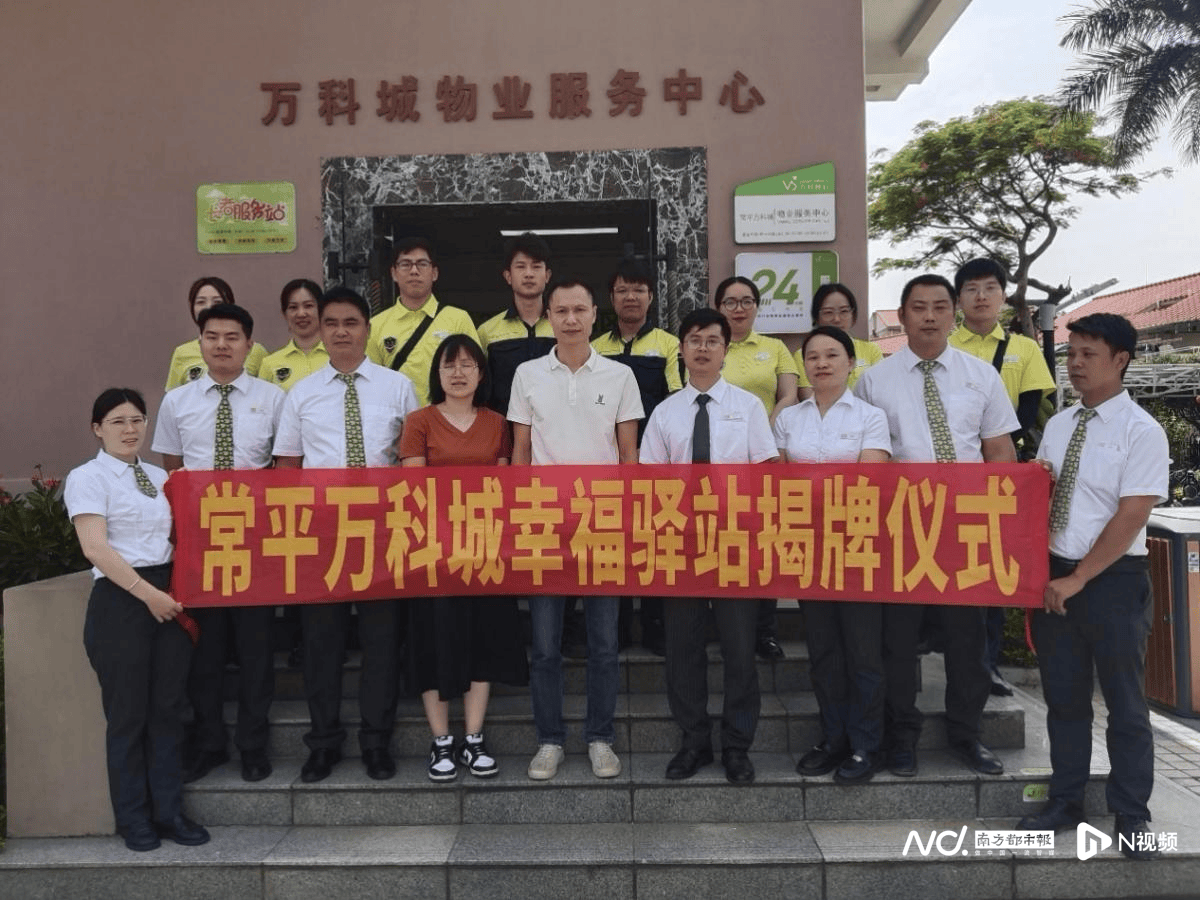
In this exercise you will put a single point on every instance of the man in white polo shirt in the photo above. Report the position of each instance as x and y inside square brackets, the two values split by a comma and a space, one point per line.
[710, 421]
[225, 419]
[573, 407]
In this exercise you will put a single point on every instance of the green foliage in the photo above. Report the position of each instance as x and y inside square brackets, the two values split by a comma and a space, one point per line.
[1141, 57]
[999, 184]
[1014, 651]
[37, 539]
[1180, 432]
[3, 752]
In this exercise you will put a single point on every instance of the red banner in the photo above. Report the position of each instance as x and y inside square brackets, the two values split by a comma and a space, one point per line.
[925, 533]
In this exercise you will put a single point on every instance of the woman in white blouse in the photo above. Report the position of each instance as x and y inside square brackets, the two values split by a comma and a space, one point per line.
[844, 637]
[140, 655]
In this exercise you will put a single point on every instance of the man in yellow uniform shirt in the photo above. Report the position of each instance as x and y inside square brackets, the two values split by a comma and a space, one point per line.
[304, 353]
[405, 337]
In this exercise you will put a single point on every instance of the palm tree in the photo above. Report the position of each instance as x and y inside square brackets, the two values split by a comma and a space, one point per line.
[1143, 56]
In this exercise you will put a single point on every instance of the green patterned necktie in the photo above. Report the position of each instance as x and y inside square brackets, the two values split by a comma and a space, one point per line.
[143, 480]
[1064, 488]
[939, 428]
[356, 457]
[223, 440]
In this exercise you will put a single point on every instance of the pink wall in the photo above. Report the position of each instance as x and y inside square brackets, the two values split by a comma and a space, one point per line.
[115, 112]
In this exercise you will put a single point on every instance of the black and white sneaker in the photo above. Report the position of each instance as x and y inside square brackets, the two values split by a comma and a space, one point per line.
[441, 759]
[473, 753]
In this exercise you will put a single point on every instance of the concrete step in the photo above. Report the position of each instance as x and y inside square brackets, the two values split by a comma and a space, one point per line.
[861, 860]
[788, 723]
[943, 788]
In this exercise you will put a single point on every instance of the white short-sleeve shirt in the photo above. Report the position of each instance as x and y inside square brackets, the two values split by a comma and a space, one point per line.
[313, 422]
[973, 396]
[848, 427]
[139, 527]
[573, 416]
[187, 421]
[1125, 454]
[738, 430]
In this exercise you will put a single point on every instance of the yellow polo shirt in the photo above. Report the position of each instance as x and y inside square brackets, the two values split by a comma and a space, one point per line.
[391, 329]
[755, 365]
[289, 364]
[1024, 368]
[866, 354]
[187, 363]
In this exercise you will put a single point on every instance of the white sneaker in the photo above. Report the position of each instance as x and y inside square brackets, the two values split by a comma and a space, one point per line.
[605, 763]
[544, 765]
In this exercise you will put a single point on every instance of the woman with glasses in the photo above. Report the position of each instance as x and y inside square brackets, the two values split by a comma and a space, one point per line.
[140, 655]
[763, 366]
[457, 646]
[186, 362]
[845, 642]
[834, 304]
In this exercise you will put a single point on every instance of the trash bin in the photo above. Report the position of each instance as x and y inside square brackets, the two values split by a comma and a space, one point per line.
[1173, 653]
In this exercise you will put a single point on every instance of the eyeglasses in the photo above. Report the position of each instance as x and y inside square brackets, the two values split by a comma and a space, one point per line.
[407, 265]
[834, 312]
[732, 303]
[135, 421]
[992, 288]
[466, 367]
[710, 343]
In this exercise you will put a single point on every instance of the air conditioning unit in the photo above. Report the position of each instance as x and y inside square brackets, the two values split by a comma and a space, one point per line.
[1173, 653]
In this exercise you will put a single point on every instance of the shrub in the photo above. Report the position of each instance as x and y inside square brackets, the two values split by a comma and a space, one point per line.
[37, 539]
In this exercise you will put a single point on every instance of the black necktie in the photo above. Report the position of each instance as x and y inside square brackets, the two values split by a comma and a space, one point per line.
[701, 450]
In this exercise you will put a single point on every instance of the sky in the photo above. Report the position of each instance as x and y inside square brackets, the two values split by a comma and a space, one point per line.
[1004, 49]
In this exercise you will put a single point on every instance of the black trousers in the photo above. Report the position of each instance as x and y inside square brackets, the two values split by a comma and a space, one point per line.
[142, 666]
[1107, 625]
[252, 635]
[846, 661]
[684, 621]
[324, 626]
[968, 682]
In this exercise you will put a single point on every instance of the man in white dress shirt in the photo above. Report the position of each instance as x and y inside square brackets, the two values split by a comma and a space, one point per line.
[942, 405]
[573, 406]
[710, 421]
[348, 414]
[1110, 459]
[225, 419]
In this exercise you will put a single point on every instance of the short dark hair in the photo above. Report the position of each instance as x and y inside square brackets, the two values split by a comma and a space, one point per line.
[408, 244]
[294, 285]
[220, 284]
[835, 287]
[342, 294]
[228, 312]
[732, 280]
[632, 271]
[980, 267]
[928, 280]
[564, 283]
[449, 349]
[831, 331]
[701, 318]
[1116, 331]
[532, 245]
[112, 398]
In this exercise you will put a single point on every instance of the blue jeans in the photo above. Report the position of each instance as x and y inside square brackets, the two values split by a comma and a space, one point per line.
[546, 675]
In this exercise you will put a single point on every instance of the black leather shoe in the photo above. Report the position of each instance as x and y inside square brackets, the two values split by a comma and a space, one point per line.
[1135, 838]
[767, 647]
[255, 765]
[738, 768]
[183, 830]
[822, 759]
[141, 836]
[654, 641]
[1057, 815]
[205, 762]
[379, 763]
[858, 769]
[1000, 687]
[319, 764]
[902, 761]
[688, 762]
[978, 757]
